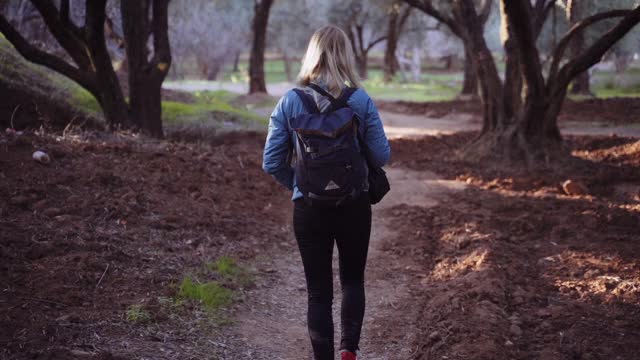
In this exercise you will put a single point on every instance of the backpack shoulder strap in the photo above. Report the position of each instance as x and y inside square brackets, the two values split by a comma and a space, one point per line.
[322, 92]
[308, 102]
[340, 102]
[344, 97]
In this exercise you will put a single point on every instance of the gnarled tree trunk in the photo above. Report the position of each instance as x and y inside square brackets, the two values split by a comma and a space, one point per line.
[87, 49]
[530, 132]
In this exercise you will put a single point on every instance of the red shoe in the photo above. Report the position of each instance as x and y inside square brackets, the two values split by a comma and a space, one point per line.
[348, 355]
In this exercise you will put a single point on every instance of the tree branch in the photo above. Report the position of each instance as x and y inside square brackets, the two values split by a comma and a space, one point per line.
[375, 42]
[65, 34]
[404, 17]
[485, 11]
[161, 48]
[541, 13]
[64, 11]
[594, 53]
[429, 9]
[37, 56]
[560, 49]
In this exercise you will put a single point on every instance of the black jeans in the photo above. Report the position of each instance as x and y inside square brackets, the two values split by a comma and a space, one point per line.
[316, 229]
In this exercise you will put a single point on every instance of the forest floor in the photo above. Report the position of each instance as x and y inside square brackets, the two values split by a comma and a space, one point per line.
[100, 247]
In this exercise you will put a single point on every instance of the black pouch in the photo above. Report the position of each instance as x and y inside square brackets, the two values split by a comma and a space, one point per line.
[378, 184]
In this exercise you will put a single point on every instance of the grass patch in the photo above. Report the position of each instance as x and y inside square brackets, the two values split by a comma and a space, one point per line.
[273, 71]
[211, 295]
[223, 275]
[438, 87]
[136, 314]
[210, 106]
[229, 270]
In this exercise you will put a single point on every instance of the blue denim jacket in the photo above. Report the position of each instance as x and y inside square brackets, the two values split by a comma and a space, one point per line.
[280, 137]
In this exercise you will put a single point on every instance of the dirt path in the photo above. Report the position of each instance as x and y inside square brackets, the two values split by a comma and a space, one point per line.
[404, 125]
[272, 323]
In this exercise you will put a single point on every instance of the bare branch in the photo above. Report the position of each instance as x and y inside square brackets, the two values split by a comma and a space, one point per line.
[427, 7]
[541, 13]
[64, 11]
[560, 49]
[594, 53]
[404, 17]
[37, 56]
[485, 11]
[65, 34]
[375, 42]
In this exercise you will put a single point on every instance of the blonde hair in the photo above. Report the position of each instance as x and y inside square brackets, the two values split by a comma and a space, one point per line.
[329, 58]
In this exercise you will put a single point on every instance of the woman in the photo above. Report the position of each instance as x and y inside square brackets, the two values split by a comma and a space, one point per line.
[329, 63]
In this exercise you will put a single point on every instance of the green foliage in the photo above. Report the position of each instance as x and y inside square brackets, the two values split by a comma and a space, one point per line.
[137, 314]
[229, 270]
[435, 87]
[225, 266]
[273, 71]
[211, 294]
[215, 294]
[210, 106]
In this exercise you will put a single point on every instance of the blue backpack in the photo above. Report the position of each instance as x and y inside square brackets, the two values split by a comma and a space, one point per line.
[330, 167]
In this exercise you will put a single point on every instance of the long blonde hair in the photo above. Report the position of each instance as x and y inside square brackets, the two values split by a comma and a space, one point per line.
[329, 58]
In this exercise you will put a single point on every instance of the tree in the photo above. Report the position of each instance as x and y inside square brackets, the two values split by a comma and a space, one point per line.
[86, 46]
[256, 59]
[520, 114]
[209, 33]
[142, 19]
[365, 26]
[574, 12]
[443, 12]
[398, 16]
[289, 32]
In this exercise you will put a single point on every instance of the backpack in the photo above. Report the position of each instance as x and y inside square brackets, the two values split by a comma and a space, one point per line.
[330, 167]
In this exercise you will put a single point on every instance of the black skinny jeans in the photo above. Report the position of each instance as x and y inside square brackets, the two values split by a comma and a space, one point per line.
[315, 230]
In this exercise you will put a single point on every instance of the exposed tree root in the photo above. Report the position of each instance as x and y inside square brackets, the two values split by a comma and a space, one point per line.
[510, 146]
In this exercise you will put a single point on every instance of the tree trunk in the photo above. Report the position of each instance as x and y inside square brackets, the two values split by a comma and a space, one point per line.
[362, 63]
[483, 64]
[236, 62]
[213, 71]
[416, 64]
[580, 85]
[573, 13]
[146, 75]
[288, 69]
[513, 76]
[108, 91]
[256, 61]
[390, 60]
[470, 82]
